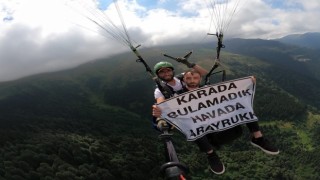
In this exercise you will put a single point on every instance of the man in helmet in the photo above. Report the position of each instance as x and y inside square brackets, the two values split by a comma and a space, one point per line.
[165, 72]
[191, 81]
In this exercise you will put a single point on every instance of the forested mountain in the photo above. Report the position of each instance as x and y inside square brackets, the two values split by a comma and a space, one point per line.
[310, 40]
[303, 61]
[93, 121]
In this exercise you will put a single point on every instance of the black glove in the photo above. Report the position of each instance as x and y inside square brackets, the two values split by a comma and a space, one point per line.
[185, 61]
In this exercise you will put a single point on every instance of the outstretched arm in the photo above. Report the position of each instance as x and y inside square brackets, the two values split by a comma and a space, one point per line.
[203, 72]
[200, 69]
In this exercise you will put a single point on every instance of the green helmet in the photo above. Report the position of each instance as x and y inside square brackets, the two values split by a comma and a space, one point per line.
[162, 64]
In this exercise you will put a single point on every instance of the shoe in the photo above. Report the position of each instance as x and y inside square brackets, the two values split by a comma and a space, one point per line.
[264, 145]
[216, 166]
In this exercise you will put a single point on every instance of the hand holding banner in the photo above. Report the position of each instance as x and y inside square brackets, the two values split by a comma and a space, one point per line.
[212, 108]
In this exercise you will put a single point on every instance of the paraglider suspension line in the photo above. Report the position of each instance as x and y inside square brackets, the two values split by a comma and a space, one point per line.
[217, 60]
[220, 45]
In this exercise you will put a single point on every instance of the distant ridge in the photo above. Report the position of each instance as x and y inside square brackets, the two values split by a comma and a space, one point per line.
[309, 40]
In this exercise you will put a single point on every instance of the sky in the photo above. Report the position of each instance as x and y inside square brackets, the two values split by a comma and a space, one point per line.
[38, 36]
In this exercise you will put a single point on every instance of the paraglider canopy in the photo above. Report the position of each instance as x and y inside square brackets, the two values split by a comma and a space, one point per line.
[222, 13]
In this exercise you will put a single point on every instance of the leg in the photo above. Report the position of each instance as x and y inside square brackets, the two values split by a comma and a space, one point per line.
[259, 141]
[216, 166]
[254, 129]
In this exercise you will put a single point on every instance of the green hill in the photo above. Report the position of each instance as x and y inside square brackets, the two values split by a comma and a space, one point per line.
[310, 40]
[93, 121]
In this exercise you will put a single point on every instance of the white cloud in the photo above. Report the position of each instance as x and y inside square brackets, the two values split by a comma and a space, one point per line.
[45, 35]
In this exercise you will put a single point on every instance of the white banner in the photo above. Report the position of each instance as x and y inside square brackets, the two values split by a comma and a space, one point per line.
[211, 108]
